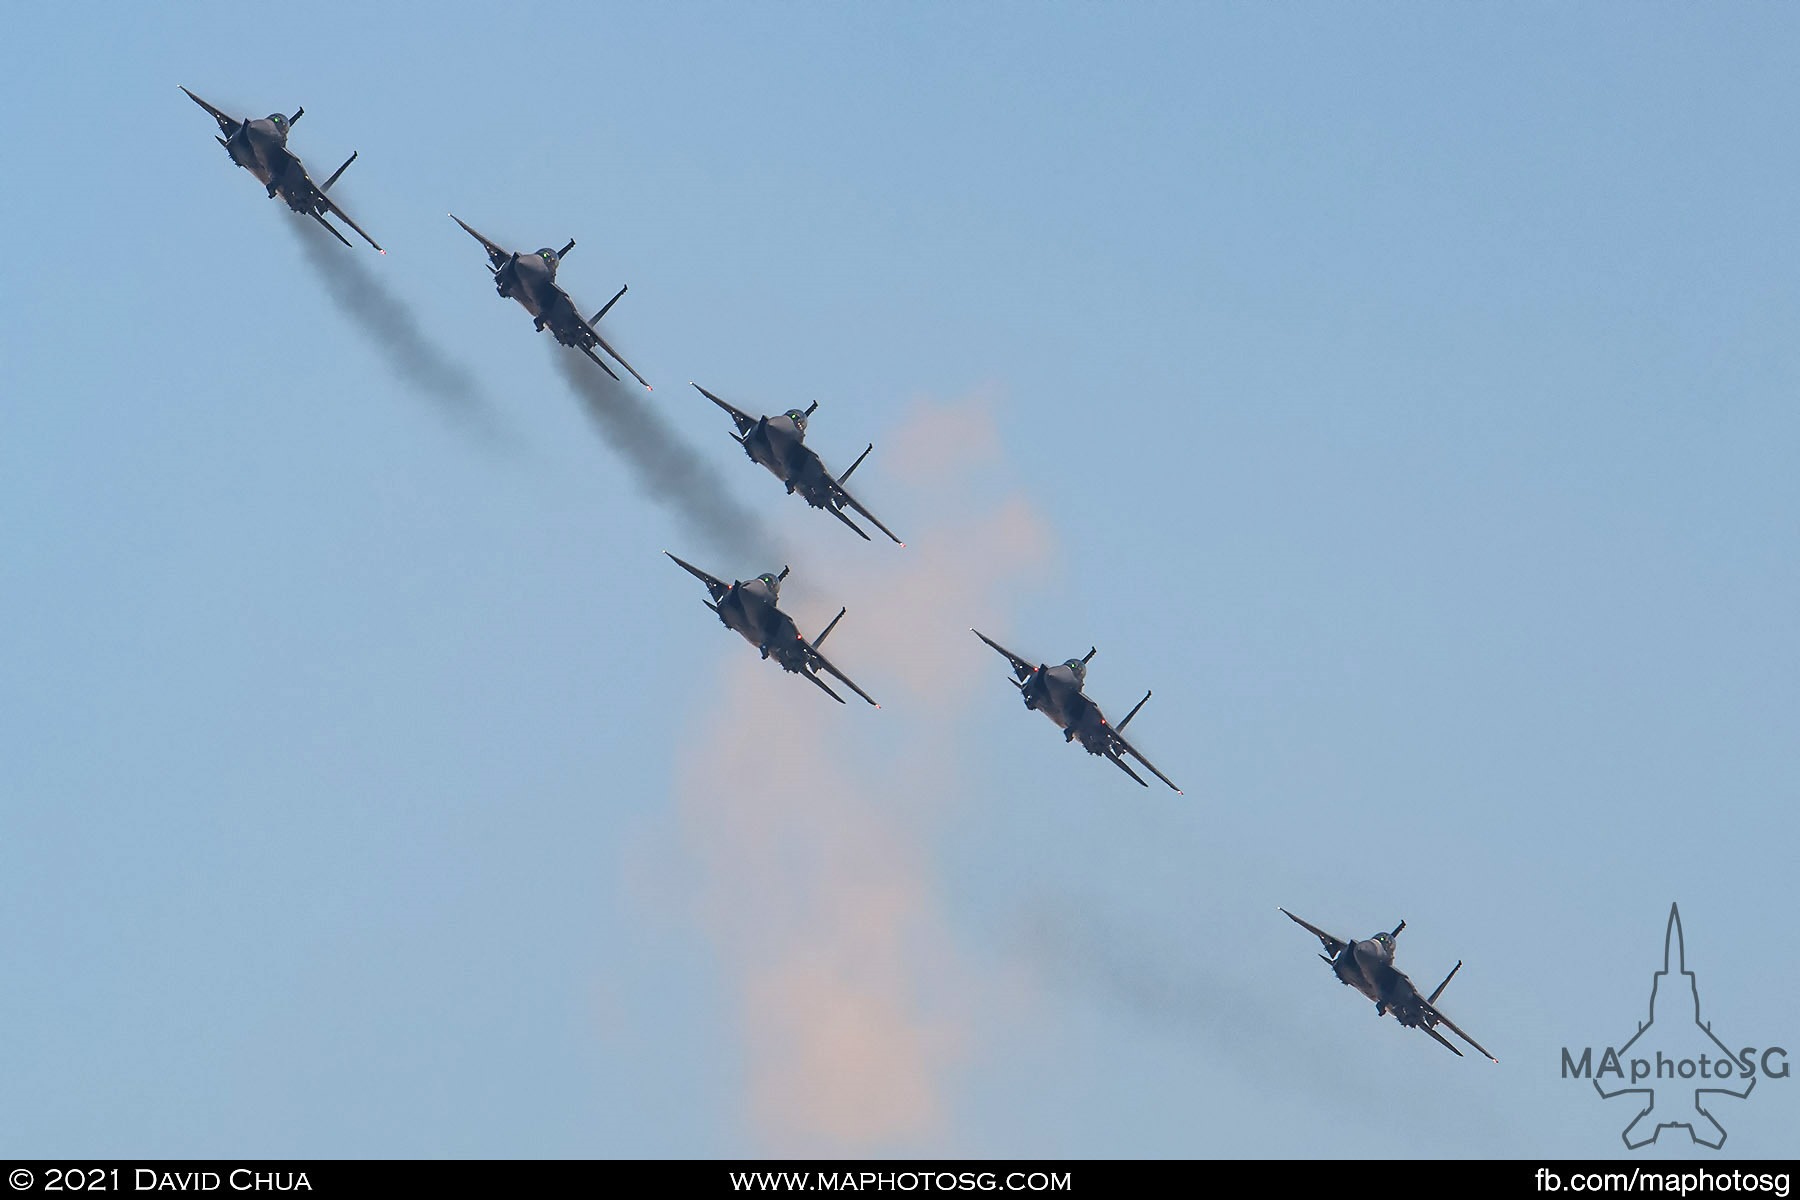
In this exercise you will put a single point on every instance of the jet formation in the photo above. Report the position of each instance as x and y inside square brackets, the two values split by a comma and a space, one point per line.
[1057, 693]
[1368, 966]
[260, 147]
[779, 443]
[751, 608]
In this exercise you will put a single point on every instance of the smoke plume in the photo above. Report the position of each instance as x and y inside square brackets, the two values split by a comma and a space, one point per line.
[387, 320]
[667, 470]
[811, 832]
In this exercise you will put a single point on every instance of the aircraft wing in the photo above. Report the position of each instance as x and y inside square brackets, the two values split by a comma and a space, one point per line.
[717, 587]
[843, 497]
[497, 255]
[1333, 945]
[1435, 1016]
[229, 125]
[743, 420]
[589, 332]
[816, 659]
[1022, 669]
[340, 214]
[1122, 747]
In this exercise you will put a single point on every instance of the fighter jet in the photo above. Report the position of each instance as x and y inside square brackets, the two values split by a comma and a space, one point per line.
[779, 443]
[531, 280]
[1056, 692]
[749, 607]
[1368, 966]
[260, 147]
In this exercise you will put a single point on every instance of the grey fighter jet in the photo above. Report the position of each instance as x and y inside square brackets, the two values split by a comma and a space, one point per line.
[1056, 692]
[779, 443]
[260, 147]
[531, 280]
[750, 608]
[1368, 966]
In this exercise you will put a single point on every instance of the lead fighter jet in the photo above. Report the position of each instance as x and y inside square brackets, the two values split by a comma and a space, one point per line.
[779, 443]
[260, 147]
[531, 280]
[1056, 692]
[1368, 966]
[750, 608]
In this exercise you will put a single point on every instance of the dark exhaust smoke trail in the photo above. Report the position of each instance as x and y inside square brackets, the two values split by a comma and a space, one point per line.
[668, 470]
[388, 322]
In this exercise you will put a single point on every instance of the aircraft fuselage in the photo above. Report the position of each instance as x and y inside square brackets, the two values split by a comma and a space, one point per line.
[779, 444]
[1056, 692]
[750, 610]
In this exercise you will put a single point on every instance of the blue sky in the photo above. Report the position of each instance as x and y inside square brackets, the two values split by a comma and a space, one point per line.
[1405, 394]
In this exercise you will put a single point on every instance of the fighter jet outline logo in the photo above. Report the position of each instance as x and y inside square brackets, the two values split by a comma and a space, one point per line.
[1702, 1126]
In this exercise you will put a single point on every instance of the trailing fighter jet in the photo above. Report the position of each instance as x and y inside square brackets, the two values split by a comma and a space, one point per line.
[1056, 692]
[531, 280]
[779, 443]
[1368, 966]
[749, 607]
[260, 147]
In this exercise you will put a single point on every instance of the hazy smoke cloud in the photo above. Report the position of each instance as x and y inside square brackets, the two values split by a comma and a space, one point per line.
[811, 826]
[387, 320]
[668, 471]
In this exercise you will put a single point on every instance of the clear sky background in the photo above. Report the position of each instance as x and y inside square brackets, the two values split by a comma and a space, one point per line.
[1406, 393]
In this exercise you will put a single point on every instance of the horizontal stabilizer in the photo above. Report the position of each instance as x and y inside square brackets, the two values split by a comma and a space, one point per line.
[331, 229]
[1441, 1040]
[823, 686]
[854, 527]
[589, 351]
[1120, 763]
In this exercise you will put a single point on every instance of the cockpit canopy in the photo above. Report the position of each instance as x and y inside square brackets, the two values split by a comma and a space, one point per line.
[280, 123]
[550, 258]
[774, 583]
[797, 417]
[1077, 666]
